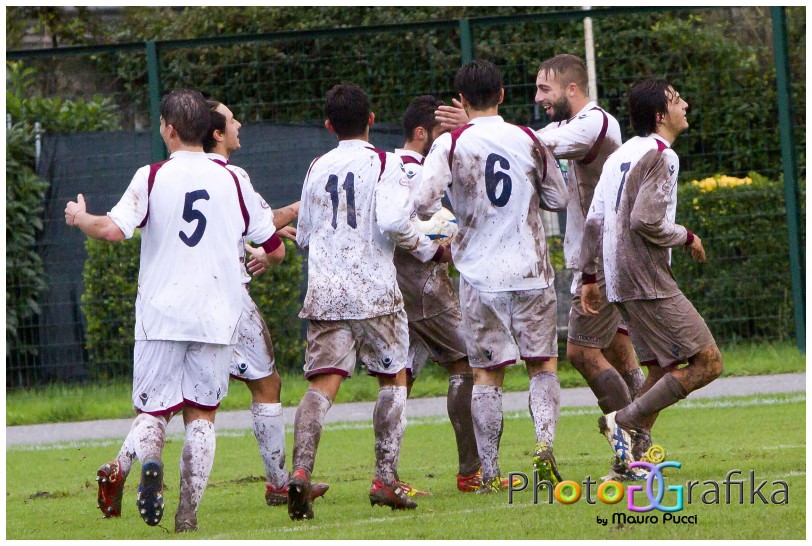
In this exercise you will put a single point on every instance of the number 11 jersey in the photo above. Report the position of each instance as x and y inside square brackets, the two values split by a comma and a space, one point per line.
[355, 207]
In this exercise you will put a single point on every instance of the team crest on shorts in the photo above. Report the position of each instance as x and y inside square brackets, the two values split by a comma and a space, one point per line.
[386, 361]
[143, 397]
[242, 367]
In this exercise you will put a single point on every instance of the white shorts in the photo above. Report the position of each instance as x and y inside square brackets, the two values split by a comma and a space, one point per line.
[253, 355]
[500, 327]
[381, 343]
[170, 374]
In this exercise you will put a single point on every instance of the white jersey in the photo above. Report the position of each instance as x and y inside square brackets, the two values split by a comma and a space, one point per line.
[262, 210]
[354, 210]
[192, 215]
[586, 140]
[633, 212]
[496, 185]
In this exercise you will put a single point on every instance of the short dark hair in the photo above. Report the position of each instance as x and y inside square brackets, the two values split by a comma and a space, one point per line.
[347, 108]
[648, 98]
[569, 69]
[217, 122]
[186, 110]
[420, 113]
[480, 83]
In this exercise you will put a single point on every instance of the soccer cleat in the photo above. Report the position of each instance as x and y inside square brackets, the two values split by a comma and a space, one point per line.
[491, 485]
[412, 491]
[111, 489]
[150, 500]
[300, 505]
[472, 483]
[185, 523]
[392, 496]
[619, 439]
[544, 463]
[622, 473]
[277, 496]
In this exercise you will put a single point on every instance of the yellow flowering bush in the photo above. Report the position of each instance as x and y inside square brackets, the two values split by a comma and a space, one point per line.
[720, 181]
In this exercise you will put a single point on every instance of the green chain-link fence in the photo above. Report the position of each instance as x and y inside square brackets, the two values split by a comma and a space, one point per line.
[727, 62]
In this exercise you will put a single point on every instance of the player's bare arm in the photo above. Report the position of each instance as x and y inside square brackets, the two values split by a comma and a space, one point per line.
[95, 227]
[285, 215]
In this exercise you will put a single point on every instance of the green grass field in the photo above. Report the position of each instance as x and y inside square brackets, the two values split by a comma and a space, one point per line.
[51, 492]
[112, 401]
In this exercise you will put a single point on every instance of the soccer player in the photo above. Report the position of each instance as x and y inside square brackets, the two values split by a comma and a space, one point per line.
[253, 359]
[188, 306]
[585, 135]
[632, 217]
[498, 176]
[354, 210]
[433, 308]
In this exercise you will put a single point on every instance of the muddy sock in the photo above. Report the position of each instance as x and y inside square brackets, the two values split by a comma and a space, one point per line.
[545, 405]
[458, 404]
[611, 390]
[387, 422]
[486, 411]
[144, 441]
[634, 380]
[307, 429]
[269, 430]
[665, 392]
[196, 461]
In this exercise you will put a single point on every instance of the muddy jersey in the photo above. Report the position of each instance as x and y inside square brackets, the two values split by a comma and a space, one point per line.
[426, 287]
[497, 177]
[192, 214]
[262, 210]
[354, 210]
[633, 212]
[586, 141]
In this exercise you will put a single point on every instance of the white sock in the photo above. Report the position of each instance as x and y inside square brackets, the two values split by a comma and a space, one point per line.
[545, 405]
[195, 465]
[486, 412]
[145, 440]
[269, 429]
[387, 421]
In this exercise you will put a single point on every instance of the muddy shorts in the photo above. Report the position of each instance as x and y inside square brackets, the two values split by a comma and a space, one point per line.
[253, 355]
[439, 337]
[666, 331]
[170, 374]
[381, 343]
[595, 331]
[501, 327]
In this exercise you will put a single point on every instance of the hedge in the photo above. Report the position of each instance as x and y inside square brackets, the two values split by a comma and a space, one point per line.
[108, 303]
[744, 289]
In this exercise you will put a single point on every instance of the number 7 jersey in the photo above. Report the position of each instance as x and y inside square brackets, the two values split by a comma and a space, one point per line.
[355, 207]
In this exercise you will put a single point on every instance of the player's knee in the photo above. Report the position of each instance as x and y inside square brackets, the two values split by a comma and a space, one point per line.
[715, 365]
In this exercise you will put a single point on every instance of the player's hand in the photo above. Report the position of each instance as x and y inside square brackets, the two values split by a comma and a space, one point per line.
[287, 232]
[258, 263]
[591, 298]
[451, 117]
[73, 208]
[697, 250]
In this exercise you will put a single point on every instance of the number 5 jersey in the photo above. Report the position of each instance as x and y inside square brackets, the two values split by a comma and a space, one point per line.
[192, 214]
[355, 209]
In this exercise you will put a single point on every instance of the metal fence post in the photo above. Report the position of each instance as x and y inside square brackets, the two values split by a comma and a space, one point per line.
[154, 85]
[789, 161]
[466, 45]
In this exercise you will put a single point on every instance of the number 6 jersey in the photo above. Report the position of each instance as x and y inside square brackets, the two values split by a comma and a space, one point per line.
[498, 176]
[355, 208]
[192, 215]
